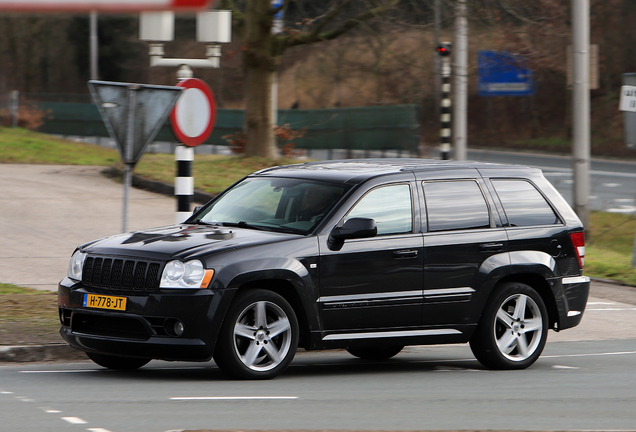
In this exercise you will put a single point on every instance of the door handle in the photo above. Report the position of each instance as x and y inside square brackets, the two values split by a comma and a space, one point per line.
[406, 253]
[491, 247]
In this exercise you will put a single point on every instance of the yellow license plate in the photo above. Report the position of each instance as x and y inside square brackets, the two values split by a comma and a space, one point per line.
[104, 302]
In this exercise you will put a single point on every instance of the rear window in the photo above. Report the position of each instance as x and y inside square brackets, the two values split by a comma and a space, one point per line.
[523, 203]
[455, 205]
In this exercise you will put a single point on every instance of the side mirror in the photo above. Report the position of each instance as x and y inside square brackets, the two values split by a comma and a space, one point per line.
[354, 228]
[196, 209]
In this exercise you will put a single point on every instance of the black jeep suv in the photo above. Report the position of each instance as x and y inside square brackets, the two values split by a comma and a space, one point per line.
[367, 255]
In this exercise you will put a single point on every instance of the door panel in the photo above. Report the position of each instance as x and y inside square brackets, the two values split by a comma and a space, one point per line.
[372, 283]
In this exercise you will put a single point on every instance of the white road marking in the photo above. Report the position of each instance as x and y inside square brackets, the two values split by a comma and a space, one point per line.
[234, 398]
[564, 367]
[60, 371]
[610, 309]
[6, 392]
[74, 420]
[600, 303]
[612, 185]
[590, 354]
[97, 430]
[51, 411]
[622, 209]
[455, 369]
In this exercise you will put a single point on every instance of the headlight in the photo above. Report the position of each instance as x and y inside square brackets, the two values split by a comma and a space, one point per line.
[191, 274]
[75, 266]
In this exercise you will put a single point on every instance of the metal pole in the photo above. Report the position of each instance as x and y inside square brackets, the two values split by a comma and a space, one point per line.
[128, 151]
[183, 182]
[15, 107]
[445, 115]
[460, 105]
[93, 46]
[438, 63]
[581, 107]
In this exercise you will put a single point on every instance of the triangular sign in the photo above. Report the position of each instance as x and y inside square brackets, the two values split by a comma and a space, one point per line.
[133, 113]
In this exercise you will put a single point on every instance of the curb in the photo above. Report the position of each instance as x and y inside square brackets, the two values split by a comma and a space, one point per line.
[162, 188]
[36, 353]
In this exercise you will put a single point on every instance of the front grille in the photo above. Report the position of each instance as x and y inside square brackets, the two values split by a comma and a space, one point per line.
[121, 274]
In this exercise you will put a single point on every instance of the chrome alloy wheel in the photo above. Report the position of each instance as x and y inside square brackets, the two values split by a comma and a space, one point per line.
[262, 336]
[518, 327]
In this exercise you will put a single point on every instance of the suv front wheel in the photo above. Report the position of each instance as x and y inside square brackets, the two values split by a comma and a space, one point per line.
[259, 336]
[513, 329]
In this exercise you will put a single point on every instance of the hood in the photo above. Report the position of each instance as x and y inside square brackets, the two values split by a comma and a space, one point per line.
[181, 241]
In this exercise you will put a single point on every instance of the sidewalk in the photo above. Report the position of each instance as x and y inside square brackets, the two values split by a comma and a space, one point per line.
[46, 211]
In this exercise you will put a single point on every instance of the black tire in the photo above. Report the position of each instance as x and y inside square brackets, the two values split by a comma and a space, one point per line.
[375, 353]
[513, 328]
[259, 336]
[117, 362]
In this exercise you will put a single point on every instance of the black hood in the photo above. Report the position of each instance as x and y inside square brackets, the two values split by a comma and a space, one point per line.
[181, 241]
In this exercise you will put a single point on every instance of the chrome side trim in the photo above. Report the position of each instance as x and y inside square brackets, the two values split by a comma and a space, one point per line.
[392, 334]
[448, 291]
[575, 280]
[359, 297]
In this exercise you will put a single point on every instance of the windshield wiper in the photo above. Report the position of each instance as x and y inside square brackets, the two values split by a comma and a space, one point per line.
[202, 222]
[243, 224]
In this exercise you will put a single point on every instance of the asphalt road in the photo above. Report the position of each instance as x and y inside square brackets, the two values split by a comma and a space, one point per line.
[613, 183]
[574, 386]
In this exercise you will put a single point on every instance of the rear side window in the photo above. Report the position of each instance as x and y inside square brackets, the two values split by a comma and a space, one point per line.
[523, 203]
[455, 205]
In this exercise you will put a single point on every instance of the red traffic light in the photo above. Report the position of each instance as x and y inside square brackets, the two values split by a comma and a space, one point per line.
[443, 49]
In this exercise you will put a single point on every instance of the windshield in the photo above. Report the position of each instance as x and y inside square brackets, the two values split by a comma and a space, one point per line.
[276, 204]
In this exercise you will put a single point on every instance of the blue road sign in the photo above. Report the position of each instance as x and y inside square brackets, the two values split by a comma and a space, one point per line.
[503, 74]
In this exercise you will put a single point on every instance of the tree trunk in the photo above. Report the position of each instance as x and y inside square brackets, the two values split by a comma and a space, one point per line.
[259, 128]
[259, 66]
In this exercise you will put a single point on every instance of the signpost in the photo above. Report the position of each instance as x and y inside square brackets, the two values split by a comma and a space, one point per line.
[192, 120]
[627, 104]
[133, 115]
[628, 98]
[503, 74]
[100, 5]
[194, 115]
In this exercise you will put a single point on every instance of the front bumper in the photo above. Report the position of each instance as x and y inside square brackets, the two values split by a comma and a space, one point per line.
[146, 328]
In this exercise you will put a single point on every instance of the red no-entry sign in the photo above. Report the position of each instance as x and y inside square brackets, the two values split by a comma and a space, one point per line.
[100, 5]
[194, 115]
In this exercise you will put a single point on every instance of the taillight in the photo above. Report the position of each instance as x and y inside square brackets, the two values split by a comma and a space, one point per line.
[578, 241]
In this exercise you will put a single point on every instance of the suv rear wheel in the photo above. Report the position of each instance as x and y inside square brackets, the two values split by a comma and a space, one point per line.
[259, 336]
[513, 329]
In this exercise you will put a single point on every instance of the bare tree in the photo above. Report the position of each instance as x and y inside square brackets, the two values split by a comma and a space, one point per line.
[262, 52]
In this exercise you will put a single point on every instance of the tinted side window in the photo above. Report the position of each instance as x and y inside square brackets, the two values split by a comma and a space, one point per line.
[389, 206]
[454, 205]
[523, 203]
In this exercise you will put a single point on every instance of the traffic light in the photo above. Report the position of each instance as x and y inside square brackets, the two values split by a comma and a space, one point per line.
[444, 49]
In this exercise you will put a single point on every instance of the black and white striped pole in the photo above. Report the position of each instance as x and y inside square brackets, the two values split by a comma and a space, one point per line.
[444, 49]
[183, 182]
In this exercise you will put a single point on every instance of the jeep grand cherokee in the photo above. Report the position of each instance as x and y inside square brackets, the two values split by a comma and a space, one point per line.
[367, 255]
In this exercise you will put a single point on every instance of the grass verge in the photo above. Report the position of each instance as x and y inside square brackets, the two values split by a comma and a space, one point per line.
[26, 147]
[609, 248]
[28, 317]
[212, 173]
